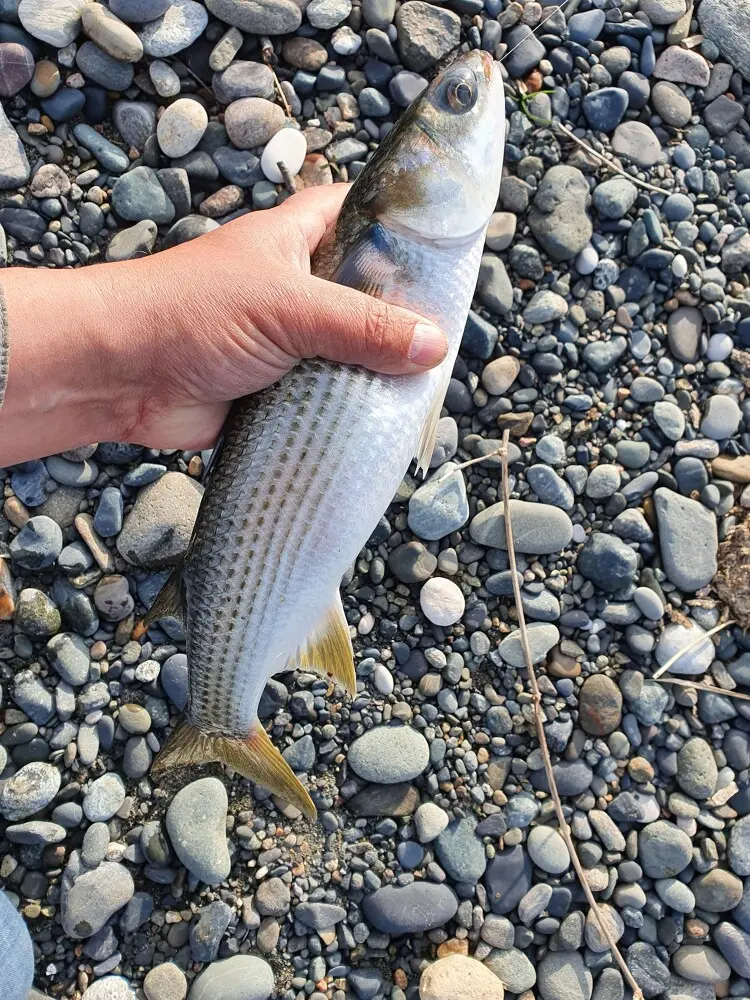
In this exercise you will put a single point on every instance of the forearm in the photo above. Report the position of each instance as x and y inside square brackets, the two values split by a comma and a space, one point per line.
[76, 363]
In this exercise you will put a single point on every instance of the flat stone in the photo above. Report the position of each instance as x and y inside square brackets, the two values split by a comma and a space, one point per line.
[56, 22]
[717, 891]
[682, 66]
[688, 540]
[139, 11]
[426, 34]
[542, 638]
[29, 790]
[461, 852]
[734, 944]
[508, 879]
[102, 68]
[410, 909]
[243, 78]
[258, 17]
[137, 195]
[663, 11]
[196, 823]
[181, 127]
[600, 705]
[537, 528]
[458, 977]
[607, 561]
[440, 506]
[558, 217]
[241, 977]
[547, 850]
[157, 531]
[638, 143]
[700, 964]
[111, 34]
[94, 897]
[664, 849]
[388, 755]
[725, 25]
[252, 121]
[563, 974]
[175, 30]
[676, 637]
[651, 974]
[14, 165]
[16, 68]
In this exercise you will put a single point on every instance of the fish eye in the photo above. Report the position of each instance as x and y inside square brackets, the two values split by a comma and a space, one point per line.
[461, 93]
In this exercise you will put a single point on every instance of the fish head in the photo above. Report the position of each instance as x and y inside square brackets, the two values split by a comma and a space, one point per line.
[436, 175]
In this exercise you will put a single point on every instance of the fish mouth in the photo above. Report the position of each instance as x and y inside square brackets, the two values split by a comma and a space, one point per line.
[488, 65]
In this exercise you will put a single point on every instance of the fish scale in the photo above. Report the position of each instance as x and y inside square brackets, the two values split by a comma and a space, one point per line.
[307, 466]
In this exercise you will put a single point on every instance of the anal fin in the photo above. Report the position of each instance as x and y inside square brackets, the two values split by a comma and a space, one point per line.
[254, 757]
[429, 429]
[168, 603]
[328, 651]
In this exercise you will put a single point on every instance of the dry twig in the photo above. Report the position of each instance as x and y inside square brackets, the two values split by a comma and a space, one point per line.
[539, 723]
[702, 687]
[288, 179]
[610, 163]
[691, 646]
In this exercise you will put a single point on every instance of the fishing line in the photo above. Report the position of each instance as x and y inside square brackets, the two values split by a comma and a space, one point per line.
[534, 30]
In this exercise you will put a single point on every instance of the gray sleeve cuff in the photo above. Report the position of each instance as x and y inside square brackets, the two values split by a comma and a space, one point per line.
[4, 349]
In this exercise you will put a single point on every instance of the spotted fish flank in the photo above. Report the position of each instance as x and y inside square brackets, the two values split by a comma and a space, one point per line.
[307, 467]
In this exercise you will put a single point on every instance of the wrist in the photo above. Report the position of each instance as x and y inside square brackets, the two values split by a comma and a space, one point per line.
[75, 360]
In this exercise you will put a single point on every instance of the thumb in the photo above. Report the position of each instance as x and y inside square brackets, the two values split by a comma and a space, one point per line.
[322, 319]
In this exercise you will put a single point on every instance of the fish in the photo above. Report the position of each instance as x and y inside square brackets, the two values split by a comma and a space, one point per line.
[307, 467]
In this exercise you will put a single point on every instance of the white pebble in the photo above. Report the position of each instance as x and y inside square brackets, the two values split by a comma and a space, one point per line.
[289, 147]
[442, 601]
[345, 42]
[720, 346]
[679, 266]
[382, 678]
[587, 260]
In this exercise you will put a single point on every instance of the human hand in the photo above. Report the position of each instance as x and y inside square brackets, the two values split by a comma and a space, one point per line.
[154, 350]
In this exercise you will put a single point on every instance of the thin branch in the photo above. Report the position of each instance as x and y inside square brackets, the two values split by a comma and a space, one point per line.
[690, 647]
[702, 687]
[269, 58]
[610, 163]
[288, 179]
[539, 723]
[472, 461]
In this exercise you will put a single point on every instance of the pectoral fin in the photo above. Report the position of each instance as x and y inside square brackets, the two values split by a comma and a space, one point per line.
[168, 603]
[255, 758]
[369, 265]
[429, 430]
[328, 651]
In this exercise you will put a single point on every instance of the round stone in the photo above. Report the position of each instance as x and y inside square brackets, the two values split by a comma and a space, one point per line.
[46, 78]
[430, 821]
[181, 127]
[134, 719]
[700, 964]
[595, 939]
[664, 850]
[16, 68]
[289, 147]
[328, 13]
[70, 657]
[697, 772]
[110, 988]
[442, 601]
[698, 655]
[600, 705]
[458, 977]
[388, 755]
[165, 982]
[410, 909]
[547, 850]
[721, 419]
[252, 121]
[564, 974]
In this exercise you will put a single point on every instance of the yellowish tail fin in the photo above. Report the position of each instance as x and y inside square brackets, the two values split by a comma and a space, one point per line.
[254, 757]
[328, 651]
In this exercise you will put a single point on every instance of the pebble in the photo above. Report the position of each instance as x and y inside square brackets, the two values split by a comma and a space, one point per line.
[110, 33]
[252, 121]
[558, 217]
[461, 852]
[688, 540]
[94, 897]
[410, 909]
[287, 146]
[181, 127]
[70, 657]
[676, 637]
[157, 531]
[104, 797]
[240, 977]
[700, 964]
[458, 977]
[664, 849]
[564, 974]
[508, 879]
[165, 982]
[425, 34]
[56, 22]
[442, 601]
[180, 25]
[697, 772]
[196, 823]
[38, 544]
[600, 705]
[28, 791]
[389, 754]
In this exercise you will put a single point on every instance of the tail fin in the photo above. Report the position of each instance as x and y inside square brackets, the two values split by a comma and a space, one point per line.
[254, 757]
